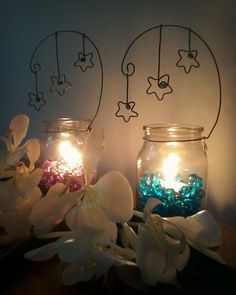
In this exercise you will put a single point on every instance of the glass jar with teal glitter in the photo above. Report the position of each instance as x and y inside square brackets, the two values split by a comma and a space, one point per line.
[172, 167]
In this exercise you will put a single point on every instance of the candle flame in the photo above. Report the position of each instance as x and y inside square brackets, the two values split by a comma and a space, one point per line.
[170, 172]
[170, 167]
[70, 154]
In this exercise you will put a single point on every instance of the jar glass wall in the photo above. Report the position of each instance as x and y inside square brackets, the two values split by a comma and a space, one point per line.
[172, 167]
[62, 151]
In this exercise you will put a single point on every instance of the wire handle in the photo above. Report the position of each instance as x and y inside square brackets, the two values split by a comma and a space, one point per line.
[59, 83]
[160, 86]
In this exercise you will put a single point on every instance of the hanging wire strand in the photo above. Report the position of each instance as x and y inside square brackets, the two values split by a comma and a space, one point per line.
[191, 32]
[35, 67]
[57, 55]
[159, 53]
[83, 41]
[189, 40]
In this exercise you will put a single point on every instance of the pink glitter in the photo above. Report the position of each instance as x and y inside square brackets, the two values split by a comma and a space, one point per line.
[59, 172]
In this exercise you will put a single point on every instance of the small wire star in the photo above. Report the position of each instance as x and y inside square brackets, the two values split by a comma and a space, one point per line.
[59, 84]
[188, 59]
[36, 100]
[160, 86]
[125, 110]
[84, 61]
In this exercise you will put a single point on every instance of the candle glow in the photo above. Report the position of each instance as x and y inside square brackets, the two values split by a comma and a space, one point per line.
[170, 173]
[68, 166]
[70, 155]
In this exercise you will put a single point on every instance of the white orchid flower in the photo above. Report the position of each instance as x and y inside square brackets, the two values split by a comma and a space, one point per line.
[17, 196]
[201, 232]
[128, 237]
[50, 210]
[53, 208]
[90, 247]
[75, 250]
[103, 204]
[19, 186]
[10, 158]
[107, 202]
[162, 250]
[87, 256]
[91, 214]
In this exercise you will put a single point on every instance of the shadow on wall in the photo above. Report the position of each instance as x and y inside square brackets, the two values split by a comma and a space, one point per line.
[224, 214]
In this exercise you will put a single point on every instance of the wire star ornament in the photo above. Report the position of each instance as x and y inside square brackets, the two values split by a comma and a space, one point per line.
[126, 110]
[59, 84]
[36, 100]
[187, 60]
[159, 86]
[84, 61]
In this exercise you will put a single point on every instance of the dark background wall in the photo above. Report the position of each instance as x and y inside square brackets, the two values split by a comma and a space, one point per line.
[112, 26]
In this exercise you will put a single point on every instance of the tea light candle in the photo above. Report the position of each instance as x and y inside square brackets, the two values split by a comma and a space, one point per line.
[68, 166]
[170, 171]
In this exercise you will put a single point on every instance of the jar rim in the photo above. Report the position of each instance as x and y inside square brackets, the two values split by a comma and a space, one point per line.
[173, 132]
[68, 124]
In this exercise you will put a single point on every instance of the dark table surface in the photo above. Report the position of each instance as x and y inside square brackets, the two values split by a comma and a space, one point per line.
[202, 275]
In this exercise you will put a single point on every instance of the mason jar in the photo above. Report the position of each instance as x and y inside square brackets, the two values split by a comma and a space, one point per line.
[172, 167]
[61, 151]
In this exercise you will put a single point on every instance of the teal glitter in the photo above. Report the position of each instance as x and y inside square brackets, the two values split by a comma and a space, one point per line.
[184, 203]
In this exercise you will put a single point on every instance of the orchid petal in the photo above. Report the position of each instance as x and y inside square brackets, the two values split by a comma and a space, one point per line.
[150, 260]
[200, 229]
[43, 253]
[6, 195]
[33, 196]
[14, 157]
[18, 127]
[93, 149]
[115, 196]
[33, 152]
[113, 255]
[75, 249]
[156, 228]
[5, 172]
[102, 257]
[182, 259]
[202, 233]
[6, 138]
[92, 222]
[26, 183]
[128, 236]
[10, 197]
[51, 209]
[212, 254]
[211, 236]
[149, 206]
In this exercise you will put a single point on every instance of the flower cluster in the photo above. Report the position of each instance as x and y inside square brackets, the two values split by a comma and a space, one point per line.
[103, 229]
